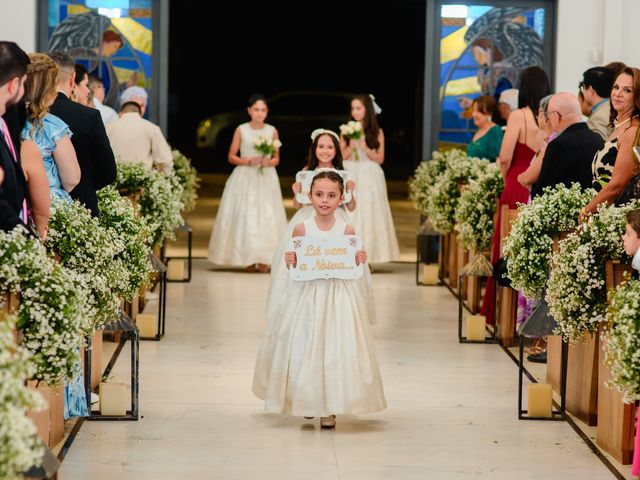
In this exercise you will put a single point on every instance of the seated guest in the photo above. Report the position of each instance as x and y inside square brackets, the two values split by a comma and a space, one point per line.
[488, 138]
[568, 157]
[13, 190]
[135, 139]
[508, 102]
[586, 109]
[530, 175]
[596, 87]
[107, 113]
[90, 141]
[614, 165]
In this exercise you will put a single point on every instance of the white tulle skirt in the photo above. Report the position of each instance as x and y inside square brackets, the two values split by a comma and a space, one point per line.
[372, 218]
[251, 218]
[318, 356]
[280, 279]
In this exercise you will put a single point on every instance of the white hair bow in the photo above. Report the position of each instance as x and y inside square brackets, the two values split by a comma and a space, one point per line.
[322, 131]
[376, 107]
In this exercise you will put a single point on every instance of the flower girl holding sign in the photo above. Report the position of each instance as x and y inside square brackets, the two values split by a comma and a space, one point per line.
[363, 151]
[323, 153]
[251, 217]
[318, 357]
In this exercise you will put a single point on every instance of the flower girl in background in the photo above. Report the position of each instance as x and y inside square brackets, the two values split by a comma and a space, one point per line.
[323, 153]
[363, 154]
[251, 217]
[318, 357]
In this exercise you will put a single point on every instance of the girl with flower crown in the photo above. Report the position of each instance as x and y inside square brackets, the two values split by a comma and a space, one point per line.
[318, 357]
[324, 153]
[251, 217]
[363, 158]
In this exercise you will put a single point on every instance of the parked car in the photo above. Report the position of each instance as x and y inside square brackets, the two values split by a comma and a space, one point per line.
[294, 114]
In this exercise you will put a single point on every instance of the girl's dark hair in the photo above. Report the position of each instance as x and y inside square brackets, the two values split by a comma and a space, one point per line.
[254, 98]
[313, 162]
[634, 73]
[80, 73]
[633, 219]
[369, 122]
[533, 87]
[333, 176]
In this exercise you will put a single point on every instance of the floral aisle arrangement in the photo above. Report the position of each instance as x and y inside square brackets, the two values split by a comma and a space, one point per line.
[161, 202]
[476, 209]
[444, 194]
[267, 147]
[576, 289]
[423, 179]
[118, 215]
[352, 130]
[95, 254]
[53, 304]
[20, 448]
[188, 178]
[528, 246]
[622, 341]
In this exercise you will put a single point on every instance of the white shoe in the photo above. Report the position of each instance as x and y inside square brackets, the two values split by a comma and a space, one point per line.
[94, 398]
[328, 422]
[149, 295]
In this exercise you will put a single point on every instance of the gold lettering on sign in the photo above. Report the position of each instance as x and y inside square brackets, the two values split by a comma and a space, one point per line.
[312, 251]
[303, 267]
[335, 251]
[326, 265]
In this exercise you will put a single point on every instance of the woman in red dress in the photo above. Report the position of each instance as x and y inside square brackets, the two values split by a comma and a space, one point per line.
[522, 139]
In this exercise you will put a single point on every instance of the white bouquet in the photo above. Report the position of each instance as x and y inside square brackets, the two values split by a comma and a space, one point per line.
[576, 289]
[267, 147]
[352, 131]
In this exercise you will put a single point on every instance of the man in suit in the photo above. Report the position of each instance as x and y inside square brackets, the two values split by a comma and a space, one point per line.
[97, 163]
[568, 157]
[13, 189]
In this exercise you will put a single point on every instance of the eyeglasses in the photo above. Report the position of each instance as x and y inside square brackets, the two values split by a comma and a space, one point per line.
[554, 111]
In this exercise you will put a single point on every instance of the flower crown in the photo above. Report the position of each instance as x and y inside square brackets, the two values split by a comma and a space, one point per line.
[321, 131]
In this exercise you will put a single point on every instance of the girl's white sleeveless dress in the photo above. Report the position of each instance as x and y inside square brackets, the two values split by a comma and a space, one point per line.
[372, 218]
[251, 217]
[318, 356]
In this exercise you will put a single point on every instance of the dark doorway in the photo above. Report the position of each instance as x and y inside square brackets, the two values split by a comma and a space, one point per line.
[221, 52]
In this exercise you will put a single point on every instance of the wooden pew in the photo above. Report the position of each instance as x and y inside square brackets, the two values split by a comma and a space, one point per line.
[507, 306]
[615, 431]
[453, 260]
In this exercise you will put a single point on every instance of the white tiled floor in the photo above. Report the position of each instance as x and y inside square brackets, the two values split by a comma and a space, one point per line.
[452, 407]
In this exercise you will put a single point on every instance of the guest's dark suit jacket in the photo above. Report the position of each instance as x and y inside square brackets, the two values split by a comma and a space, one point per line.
[89, 138]
[568, 158]
[13, 189]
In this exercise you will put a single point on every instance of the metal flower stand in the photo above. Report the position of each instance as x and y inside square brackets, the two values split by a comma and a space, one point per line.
[478, 267]
[427, 245]
[128, 331]
[161, 268]
[185, 227]
[541, 324]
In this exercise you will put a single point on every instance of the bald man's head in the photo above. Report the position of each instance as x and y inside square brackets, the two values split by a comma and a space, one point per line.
[564, 110]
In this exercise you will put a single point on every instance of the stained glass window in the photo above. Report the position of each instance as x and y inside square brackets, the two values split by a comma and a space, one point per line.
[112, 38]
[483, 49]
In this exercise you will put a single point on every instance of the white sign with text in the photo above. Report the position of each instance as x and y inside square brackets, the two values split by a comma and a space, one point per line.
[304, 178]
[333, 257]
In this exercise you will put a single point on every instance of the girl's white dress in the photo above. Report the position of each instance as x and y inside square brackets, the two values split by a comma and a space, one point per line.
[251, 217]
[318, 357]
[372, 218]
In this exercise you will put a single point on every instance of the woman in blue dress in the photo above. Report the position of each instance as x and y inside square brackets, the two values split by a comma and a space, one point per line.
[52, 137]
[488, 138]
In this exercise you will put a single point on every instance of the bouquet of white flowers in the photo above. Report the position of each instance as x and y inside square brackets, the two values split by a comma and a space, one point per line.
[424, 177]
[476, 208]
[622, 341]
[576, 289]
[20, 448]
[352, 131]
[267, 147]
[528, 246]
